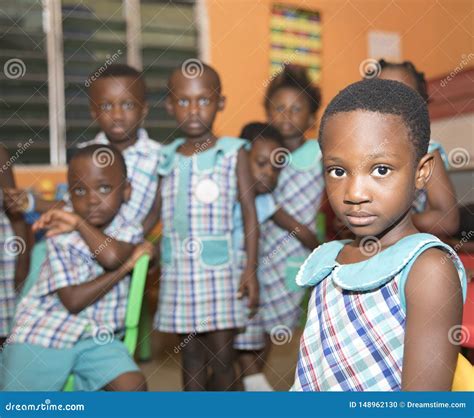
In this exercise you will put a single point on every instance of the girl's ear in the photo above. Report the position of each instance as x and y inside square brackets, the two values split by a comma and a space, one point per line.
[221, 103]
[127, 191]
[169, 106]
[424, 171]
[311, 121]
[145, 110]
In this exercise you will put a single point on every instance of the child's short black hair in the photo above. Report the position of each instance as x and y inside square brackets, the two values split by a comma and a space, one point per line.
[194, 68]
[389, 97]
[255, 130]
[409, 67]
[295, 77]
[103, 154]
[118, 70]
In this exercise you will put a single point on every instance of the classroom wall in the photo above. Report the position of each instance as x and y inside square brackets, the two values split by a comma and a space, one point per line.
[434, 34]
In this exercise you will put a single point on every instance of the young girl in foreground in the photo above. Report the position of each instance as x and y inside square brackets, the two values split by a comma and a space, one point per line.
[384, 306]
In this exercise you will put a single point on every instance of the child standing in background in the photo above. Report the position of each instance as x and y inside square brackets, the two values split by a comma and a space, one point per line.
[117, 100]
[266, 143]
[435, 206]
[291, 103]
[384, 305]
[203, 178]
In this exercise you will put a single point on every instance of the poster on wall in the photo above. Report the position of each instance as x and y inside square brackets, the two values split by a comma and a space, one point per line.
[295, 38]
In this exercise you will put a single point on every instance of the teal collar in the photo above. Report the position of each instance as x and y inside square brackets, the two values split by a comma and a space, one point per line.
[205, 160]
[365, 275]
[307, 156]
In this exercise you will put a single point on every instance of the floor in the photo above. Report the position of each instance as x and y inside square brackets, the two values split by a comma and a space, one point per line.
[163, 373]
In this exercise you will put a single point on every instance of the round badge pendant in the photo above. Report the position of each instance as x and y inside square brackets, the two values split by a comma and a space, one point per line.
[207, 191]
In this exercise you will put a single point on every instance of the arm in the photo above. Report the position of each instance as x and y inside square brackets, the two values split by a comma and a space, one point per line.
[155, 212]
[17, 200]
[434, 310]
[442, 215]
[78, 297]
[109, 252]
[249, 283]
[18, 225]
[284, 220]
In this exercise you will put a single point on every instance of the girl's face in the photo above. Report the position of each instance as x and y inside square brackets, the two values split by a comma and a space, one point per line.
[400, 75]
[194, 102]
[263, 164]
[370, 170]
[290, 113]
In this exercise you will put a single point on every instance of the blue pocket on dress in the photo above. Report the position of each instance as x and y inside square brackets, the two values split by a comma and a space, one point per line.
[215, 252]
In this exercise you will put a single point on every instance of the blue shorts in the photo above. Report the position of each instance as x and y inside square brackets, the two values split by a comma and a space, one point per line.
[29, 367]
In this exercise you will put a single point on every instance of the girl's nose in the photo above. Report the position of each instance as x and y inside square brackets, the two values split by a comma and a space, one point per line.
[357, 191]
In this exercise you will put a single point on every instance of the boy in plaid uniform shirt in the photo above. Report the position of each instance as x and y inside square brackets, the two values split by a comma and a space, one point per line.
[384, 305]
[72, 318]
[118, 104]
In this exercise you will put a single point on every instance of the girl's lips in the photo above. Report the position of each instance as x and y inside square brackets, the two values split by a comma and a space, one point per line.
[361, 220]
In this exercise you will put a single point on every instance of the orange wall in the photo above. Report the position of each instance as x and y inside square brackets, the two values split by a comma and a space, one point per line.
[434, 35]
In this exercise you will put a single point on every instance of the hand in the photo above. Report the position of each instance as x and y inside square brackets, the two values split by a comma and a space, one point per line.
[57, 221]
[141, 249]
[249, 287]
[15, 200]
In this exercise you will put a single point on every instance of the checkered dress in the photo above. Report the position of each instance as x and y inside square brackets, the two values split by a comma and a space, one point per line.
[299, 191]
[41, 318]
[354, 335]
[142, 160]
[7, 274]
[199, 283]
[421, 199]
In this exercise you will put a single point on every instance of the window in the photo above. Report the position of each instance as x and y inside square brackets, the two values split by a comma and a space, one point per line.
[154, 35]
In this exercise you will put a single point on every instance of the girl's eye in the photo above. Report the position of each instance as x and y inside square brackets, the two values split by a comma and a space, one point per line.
[79, 191]
[381, 171]
[204, 101]
[183, 102]
[295, 109]
[105, 189]
[128, 105]
[106, 107]
[336, 172]
[280, 109]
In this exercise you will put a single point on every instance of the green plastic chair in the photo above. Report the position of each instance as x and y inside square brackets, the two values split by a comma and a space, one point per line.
[38, 255]
[134, 308]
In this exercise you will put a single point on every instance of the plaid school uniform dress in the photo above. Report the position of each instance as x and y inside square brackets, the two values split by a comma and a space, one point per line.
[421, 199]
[142, 160]
[7, 274]
[200, 279]
[299, 191]
[354, 335]
[41, 319]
